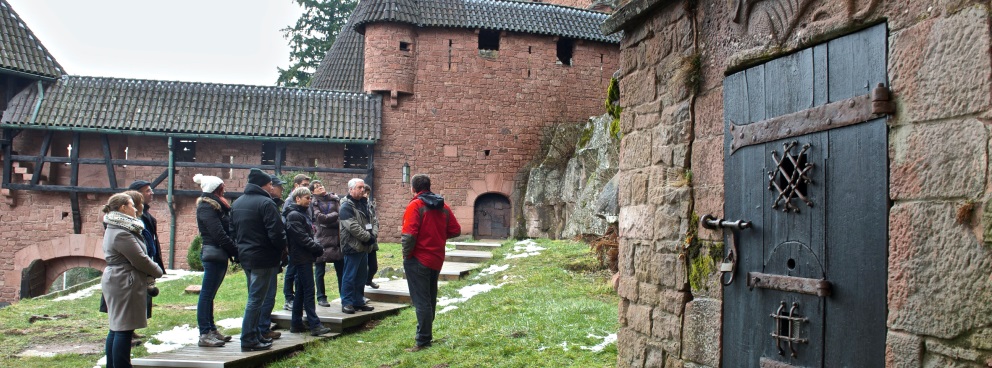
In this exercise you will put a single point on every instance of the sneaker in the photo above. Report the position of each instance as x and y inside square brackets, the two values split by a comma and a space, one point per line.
[373, 285]
[364, 308]
[288, 306]
[219, 336]
[272, 335]
[210, 341]
[323, 303]
[257, 346]
[321, 330]
[348, 309]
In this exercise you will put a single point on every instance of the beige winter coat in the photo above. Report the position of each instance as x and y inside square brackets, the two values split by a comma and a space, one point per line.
[124, 281]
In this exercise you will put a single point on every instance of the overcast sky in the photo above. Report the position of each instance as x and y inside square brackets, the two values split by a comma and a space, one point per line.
[223, 41]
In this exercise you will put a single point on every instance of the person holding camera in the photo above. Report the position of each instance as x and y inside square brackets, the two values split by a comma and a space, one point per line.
[213, 218]
[125, 281]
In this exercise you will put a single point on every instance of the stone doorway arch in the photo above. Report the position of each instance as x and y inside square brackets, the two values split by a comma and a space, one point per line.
[37, 266]
[492, 214]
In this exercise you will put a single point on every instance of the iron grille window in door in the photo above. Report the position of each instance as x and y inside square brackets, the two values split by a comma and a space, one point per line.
[790, 177]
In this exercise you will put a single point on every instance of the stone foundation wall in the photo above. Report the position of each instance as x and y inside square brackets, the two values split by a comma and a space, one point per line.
[38, 225]
[940, 221]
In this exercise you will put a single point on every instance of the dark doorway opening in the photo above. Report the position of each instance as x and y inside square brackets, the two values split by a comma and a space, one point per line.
[492, 217]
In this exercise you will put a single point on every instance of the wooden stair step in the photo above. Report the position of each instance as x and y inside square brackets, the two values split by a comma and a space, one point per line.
[452, 271]
[230, 355]
[475, 246]
[468, 256]
[333, 318]
[392, 291]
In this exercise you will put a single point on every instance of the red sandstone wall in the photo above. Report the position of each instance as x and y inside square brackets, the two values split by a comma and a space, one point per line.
[44, 220]
[387, 67]
[473, 104]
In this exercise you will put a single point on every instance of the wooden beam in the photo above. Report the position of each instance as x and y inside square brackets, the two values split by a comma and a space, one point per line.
[98, 190]
[39, 163]
[77, 218]
[160, 178]
[111, 174]
[206, 165]
[8, 159]
[370, 173]
[280, 151]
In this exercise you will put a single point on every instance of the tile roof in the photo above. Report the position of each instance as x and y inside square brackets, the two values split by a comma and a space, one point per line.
[503, 15]
[198, 108]
[20, 50]
[343, 67]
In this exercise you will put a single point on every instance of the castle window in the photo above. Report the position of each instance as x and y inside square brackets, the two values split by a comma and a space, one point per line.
[356, 156]
[565, 48]
[269, 154]
[404, 46]
[488, 40]
[184, 150]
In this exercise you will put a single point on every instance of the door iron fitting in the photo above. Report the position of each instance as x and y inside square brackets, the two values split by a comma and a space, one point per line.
[729, 262]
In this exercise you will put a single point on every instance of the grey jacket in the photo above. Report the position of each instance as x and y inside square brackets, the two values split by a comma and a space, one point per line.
[125, 280]
[352, 219]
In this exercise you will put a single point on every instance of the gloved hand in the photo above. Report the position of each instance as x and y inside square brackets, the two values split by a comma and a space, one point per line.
[372, 239]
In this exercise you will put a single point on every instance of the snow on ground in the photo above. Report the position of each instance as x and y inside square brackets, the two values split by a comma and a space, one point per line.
[230, 323]
[447, 309]
[525, 248]
[607, 340]
[173, 339]
[491, 270]
[170, 276]
[381, 279]
[467, 293]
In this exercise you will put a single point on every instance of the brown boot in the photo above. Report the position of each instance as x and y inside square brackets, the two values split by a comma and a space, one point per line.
[209, 341]
[219, 336]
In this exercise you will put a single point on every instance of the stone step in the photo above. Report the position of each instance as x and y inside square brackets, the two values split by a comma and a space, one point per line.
[488, 247]
[5, 192]
[20, 170]
[333, 318]
[468, 256]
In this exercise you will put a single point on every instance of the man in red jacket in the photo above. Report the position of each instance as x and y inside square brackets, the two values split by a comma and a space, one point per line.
[427, 224]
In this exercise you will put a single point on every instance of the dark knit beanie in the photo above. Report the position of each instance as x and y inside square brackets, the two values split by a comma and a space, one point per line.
[258, 177]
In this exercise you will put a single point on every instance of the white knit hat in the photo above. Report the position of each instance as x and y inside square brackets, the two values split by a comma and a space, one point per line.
[208, 183]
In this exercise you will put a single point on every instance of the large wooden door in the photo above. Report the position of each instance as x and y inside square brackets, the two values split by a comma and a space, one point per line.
[809, 285]
[492, 217]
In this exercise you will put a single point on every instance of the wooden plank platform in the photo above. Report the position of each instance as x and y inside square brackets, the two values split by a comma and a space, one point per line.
[488, 247]
[468, 256]
[392, 291]
[230, 355]
[452, 271]
[333, 318]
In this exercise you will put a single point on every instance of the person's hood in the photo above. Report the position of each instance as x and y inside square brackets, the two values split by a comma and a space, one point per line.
[433, 201]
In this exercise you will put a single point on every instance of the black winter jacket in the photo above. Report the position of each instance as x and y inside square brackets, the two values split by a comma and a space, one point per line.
[299, 232]
[151, 224]
[258, 229]
[324, 212]
[213, 218]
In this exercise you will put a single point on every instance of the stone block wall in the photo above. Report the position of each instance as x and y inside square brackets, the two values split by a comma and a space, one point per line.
[474, 119]
[940, 220]
[38, 225]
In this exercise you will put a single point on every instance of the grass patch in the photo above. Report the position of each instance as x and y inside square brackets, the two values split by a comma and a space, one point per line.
[547, 307]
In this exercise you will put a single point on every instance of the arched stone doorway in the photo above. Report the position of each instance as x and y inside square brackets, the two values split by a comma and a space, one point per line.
[38, 265]
[492, 217]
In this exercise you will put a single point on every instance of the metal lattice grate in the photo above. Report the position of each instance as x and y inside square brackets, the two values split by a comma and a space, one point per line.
[790, 178]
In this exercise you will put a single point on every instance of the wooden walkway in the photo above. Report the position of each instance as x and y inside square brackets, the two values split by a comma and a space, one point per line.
[230, 355]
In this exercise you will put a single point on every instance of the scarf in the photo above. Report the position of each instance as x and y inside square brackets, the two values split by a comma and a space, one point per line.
[132, 224]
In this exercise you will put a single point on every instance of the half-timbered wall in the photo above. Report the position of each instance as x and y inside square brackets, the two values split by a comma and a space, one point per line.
[39, 225]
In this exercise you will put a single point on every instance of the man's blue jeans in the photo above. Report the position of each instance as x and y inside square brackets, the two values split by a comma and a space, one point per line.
[303, 301]
[213, 277]
[260, 282]
[287, 282]
[422, 282]
[356, 268]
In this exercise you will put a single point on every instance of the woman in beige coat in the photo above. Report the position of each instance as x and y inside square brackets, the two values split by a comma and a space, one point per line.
[125, 280]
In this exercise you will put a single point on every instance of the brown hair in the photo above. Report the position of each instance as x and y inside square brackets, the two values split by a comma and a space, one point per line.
[115, 202]
[421, 182]
[300, 178]
[138, 199]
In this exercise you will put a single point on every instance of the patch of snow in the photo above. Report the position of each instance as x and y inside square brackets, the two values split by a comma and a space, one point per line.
[542, 348]
[102, 362]
[230, 322]
[491, 270]
[381, 279]
[525, 248]
[607, 340]
[173, 339]
[170, 276]
[467, 293]
[528, 248]
[525, 242]
[448, 309]
[564, 345]
[521, 255]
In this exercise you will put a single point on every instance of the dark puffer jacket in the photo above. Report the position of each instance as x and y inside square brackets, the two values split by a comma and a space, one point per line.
[213, 218]
[324, 212]
[299, 233]
[258, 229]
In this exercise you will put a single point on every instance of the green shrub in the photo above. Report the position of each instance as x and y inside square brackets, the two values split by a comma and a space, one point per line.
[193, 254]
